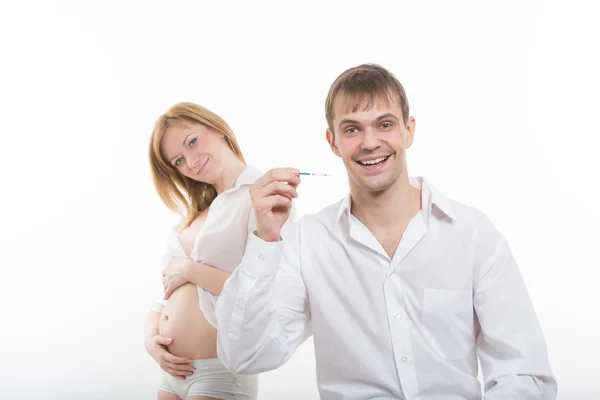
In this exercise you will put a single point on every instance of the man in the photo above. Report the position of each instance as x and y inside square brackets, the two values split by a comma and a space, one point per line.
[402, 288]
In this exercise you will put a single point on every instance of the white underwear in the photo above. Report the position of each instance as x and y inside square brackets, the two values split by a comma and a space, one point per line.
[211, 379]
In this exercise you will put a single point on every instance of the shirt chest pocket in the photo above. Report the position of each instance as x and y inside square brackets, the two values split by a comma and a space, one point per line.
[448, 322]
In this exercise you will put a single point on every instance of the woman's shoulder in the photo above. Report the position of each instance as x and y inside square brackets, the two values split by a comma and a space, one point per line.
[249, 175]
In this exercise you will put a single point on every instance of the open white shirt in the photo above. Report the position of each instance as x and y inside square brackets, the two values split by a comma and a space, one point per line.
[221, 241]
[410, 327]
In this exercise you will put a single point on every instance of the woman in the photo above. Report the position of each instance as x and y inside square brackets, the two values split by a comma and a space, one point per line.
[199, 171]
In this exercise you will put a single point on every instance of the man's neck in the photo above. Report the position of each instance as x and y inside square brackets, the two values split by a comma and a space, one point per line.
[400, 202]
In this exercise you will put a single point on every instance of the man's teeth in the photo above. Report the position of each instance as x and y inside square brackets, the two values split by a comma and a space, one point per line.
[373, 162]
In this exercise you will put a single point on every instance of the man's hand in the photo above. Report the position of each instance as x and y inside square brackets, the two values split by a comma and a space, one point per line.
[176, 274]
[272, 197]
[178, 367]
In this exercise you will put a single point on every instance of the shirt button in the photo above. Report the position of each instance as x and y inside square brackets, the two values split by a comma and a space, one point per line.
[404, 359]
[397, 315]
[261, 258]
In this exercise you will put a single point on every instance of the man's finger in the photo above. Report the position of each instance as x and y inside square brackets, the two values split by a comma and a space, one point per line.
[279, 201]
[278, 188]
[290, 175]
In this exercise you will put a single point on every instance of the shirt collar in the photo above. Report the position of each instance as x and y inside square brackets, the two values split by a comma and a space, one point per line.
[248, 176]
[431, 196]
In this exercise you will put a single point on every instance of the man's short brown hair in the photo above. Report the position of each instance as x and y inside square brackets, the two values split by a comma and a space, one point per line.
[360, 87]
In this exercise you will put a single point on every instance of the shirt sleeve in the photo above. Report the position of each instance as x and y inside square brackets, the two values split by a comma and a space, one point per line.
[510, 345]
[263, 313]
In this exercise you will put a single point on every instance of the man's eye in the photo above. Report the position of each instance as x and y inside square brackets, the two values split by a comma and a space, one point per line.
[351, 130]
[386, 125]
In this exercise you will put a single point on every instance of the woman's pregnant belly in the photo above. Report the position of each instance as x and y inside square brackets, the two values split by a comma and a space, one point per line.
[193, 336]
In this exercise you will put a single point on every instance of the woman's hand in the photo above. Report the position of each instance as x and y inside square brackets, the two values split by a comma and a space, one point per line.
[176, 274]
[178, 367]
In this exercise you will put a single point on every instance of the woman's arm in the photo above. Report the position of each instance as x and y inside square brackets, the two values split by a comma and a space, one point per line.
[150, 327]
[182, 270]
[208, 278]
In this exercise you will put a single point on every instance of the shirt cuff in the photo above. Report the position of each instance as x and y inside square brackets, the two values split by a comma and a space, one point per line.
[261, 258]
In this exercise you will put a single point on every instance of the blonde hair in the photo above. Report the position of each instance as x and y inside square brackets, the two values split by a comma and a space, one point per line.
[180, 193]
[362, 86]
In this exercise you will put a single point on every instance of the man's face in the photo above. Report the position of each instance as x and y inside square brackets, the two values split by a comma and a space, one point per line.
[371, 143]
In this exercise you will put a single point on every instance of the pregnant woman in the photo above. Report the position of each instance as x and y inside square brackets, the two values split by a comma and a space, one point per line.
[198, 171]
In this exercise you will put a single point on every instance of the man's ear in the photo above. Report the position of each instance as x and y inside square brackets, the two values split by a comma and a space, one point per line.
[410, 132]
[331, 140]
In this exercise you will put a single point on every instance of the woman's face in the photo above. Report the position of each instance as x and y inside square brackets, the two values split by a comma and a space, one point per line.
[196, 151]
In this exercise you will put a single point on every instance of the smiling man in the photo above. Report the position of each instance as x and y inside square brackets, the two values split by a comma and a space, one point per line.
[402, 288]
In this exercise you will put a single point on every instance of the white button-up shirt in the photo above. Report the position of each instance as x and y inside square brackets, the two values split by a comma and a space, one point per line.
[221, 241]
[409, 327]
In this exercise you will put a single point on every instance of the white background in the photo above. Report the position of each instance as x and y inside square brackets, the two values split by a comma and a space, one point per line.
[506, 101]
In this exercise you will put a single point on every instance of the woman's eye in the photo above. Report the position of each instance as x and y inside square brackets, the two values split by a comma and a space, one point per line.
[193, 141]
[178, 161]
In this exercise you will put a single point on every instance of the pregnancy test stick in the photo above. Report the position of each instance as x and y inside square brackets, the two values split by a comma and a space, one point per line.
[314, 174]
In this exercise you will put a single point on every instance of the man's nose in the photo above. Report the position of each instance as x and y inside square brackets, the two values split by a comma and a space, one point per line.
[370, 140]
